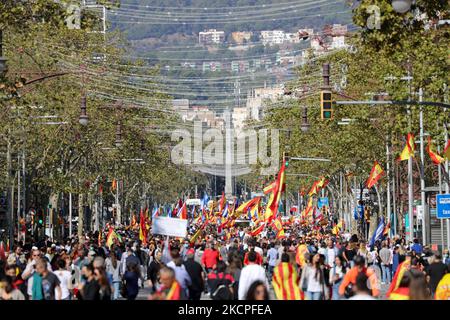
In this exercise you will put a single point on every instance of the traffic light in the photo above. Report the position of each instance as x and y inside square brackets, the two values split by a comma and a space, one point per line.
[286, 158]
[326, 105]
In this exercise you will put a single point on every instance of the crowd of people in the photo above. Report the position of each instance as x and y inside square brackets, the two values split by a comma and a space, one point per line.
[306, 264]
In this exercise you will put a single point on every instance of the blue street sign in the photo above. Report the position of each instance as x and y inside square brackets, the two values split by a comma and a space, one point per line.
[443, 206]
[323, 202]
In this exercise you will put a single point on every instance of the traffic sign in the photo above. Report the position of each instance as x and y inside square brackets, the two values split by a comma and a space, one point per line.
[443, 206]
[323, 202]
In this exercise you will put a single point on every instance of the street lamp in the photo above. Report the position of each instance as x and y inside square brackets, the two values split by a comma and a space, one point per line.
[305, 125]
[83, 115]
[401, 6]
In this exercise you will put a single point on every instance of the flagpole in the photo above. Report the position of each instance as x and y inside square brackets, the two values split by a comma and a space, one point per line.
[422, 175]
[440, 192]
[388, 186]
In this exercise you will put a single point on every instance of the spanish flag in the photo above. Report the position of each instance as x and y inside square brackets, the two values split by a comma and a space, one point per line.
[402, 268]
[222, 202]
[314, 189]
[257, 230]
[280, 234]
[435, 157]
[375, 174]
[142, 229]
[302, 249]
[275, 196]
[277, 224]
[285, 282]
[408, 151]
[248, 205]
[269, 188]
[174, 291]
[111, 236]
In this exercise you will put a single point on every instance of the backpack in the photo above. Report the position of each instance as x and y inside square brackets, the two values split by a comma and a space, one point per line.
[223, 291]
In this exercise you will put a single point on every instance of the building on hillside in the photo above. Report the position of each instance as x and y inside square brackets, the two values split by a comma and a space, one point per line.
[181, 106]
[240, 66]
[272, 37]
[256, 98]
[338, 42]
[239, 116]
[212, 66]
[241, 37]
[339, 30]
[211, 37]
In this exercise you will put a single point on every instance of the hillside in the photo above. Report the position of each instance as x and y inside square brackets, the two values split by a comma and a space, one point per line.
[156, 18]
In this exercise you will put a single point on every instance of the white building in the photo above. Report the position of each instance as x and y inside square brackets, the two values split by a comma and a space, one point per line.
[272, 37]
[211, 36]
[338, 42]
[256, 98]
[239, 116]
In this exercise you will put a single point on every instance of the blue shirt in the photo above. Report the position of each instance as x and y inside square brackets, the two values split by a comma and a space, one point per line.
[417, 247]
[272, 256]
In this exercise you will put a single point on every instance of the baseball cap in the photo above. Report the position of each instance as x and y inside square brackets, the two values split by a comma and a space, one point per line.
[191, 251]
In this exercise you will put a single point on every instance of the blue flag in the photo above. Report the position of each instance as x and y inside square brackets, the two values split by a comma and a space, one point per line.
[204, 202]
[378, 234]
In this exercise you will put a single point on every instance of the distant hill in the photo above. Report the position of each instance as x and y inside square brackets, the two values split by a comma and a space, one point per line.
[157, 18]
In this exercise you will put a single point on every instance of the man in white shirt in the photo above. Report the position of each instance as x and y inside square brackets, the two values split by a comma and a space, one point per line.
[27, 274]
[330, 254]
[249, 274]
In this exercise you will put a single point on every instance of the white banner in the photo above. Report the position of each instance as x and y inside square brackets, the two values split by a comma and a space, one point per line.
[170, 227]
[193, 202]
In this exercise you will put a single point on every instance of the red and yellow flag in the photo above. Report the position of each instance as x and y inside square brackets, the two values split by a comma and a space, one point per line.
[174, 292]
[222, 203]
[435, 157]
[275, 196]
[402, 268]
[300, 255]
[375, 174]
[257, 230]
[243, 208]
[142, 229]
[408, 151]
[285, 282]
[269, 188]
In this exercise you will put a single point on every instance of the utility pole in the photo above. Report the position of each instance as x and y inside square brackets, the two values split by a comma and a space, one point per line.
[422, 175]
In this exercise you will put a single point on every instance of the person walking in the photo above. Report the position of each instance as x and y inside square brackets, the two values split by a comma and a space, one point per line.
[435, 272]
[249, 274]
[385, 257]
[65, 279]
[313, 280]
[337, 274]
[195, 271]
[113, 270]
